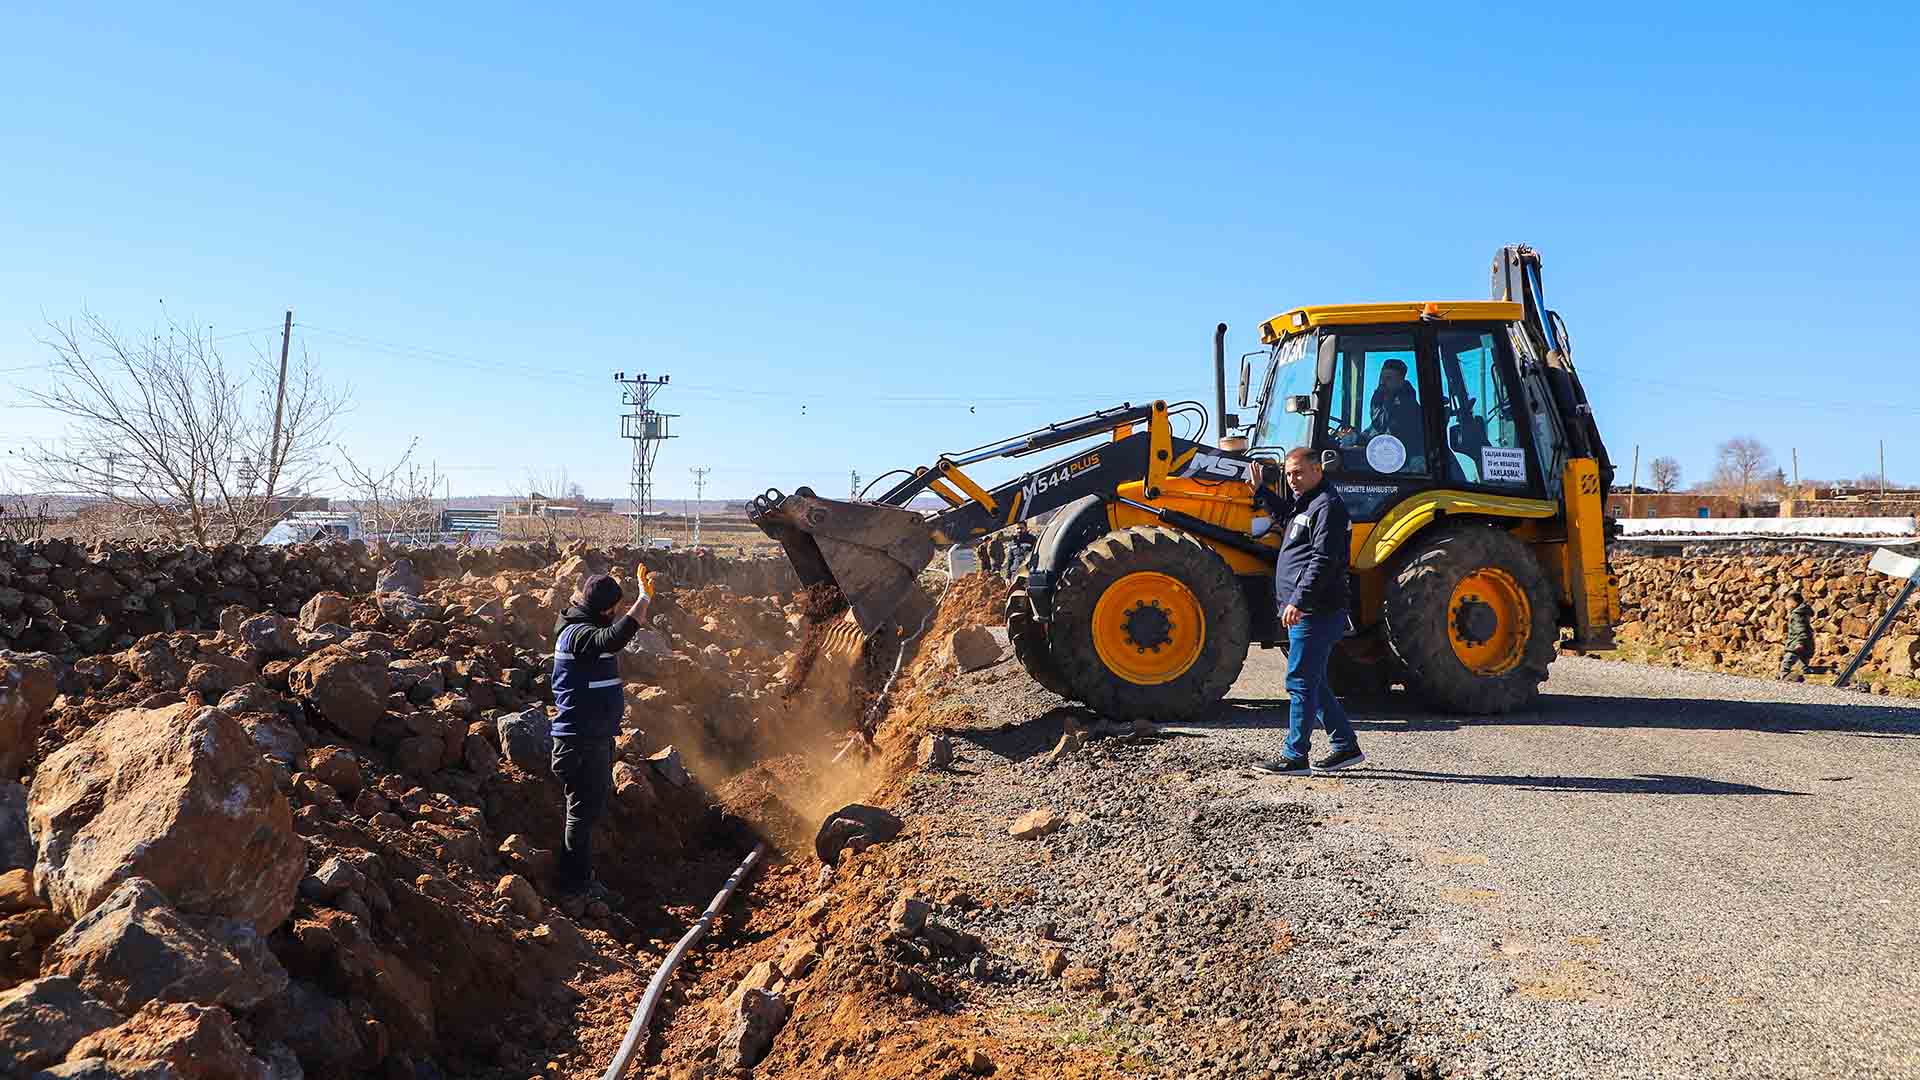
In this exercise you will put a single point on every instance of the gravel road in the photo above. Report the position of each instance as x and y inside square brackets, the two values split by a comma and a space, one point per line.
[1657, 873]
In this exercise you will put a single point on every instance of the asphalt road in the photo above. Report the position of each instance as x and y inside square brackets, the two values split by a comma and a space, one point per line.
[1656, 872]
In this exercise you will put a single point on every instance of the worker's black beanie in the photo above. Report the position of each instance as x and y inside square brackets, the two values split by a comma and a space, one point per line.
[600, 592]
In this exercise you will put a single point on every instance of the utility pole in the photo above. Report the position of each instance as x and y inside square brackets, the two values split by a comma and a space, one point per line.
[279, 402]
[1634, 488]
[648, 429]
[1883, 468]
[699, 493]
[854, 491]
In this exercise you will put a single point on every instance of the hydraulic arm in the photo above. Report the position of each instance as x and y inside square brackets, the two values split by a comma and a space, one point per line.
[872, 550]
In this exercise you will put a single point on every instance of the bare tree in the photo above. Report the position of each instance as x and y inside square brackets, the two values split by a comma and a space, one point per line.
[1744, 466]
[1665, 474]
[178, 443]
[23, 519]
[551, 484]
[402, 499]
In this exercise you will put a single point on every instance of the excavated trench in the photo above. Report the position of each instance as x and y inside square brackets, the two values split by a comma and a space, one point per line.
[401, 732]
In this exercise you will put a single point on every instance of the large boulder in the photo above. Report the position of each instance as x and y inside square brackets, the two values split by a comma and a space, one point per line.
[179, 795]
[134, 948]
[750, 1028]
[400, 577]
[94, 1068]
[41, 1020]
[403, 609]
[197, 1040]
[348, 689]
[527, 739]
[28, 684]
[271, 634]
[324, 608]
[316, 1025]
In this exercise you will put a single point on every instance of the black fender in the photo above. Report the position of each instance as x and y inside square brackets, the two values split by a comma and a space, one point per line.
[1068, 533]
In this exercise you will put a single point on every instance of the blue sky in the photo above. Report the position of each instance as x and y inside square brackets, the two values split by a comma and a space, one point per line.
[856, 236]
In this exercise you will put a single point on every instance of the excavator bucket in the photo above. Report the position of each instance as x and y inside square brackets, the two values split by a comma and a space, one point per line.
[870, 551]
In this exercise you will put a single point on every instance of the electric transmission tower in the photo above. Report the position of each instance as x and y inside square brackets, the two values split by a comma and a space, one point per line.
[854, 491]
[648, 429]
[699, 493]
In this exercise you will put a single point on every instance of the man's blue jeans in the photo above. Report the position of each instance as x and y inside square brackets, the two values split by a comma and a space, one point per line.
[1309, 644]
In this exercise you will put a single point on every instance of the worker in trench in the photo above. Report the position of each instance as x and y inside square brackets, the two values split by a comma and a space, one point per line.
[586, 687]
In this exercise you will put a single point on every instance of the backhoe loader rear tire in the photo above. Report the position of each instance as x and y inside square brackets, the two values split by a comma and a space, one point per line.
[1472, 617]
[1029, 638]
[1149, 624]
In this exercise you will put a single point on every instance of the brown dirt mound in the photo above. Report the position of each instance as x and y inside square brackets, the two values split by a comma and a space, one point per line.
[414, 949]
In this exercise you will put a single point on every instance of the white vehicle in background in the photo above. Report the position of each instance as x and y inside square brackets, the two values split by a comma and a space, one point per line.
[309, 526]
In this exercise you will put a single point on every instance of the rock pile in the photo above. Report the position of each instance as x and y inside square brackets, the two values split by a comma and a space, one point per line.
[1731, 612]
[61, 597]
[316, 838]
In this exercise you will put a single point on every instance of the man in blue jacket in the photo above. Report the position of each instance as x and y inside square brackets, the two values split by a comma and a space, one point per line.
[1310, 585]
[586, 687]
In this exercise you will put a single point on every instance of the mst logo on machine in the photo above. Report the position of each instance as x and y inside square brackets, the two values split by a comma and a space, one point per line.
[1205, 464]
[1053, 478]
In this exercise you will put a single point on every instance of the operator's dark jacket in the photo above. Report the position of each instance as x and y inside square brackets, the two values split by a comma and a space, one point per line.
[1311, 572]
[1398, 416]
[586, 672]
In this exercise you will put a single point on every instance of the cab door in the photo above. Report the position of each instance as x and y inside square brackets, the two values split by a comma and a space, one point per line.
[1485, 440]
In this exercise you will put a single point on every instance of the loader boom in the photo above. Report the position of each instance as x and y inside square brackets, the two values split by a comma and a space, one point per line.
[871, 550]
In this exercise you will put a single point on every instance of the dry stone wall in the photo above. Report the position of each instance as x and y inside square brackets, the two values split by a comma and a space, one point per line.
[72, 599]
[1730, 610]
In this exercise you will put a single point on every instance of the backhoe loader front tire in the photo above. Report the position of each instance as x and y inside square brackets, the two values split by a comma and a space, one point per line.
[1472, 617]
[1149, 624]
[1029, 638]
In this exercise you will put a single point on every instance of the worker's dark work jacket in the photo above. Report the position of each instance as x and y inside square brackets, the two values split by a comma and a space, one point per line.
[1311, 571]
[1398, 416]
[586, 672]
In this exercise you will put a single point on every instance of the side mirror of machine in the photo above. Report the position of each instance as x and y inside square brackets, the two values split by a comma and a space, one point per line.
[1231, 420]
[1297, 403]
[1246, 379]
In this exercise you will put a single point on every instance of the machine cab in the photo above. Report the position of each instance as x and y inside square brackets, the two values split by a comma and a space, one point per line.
[1405, 398]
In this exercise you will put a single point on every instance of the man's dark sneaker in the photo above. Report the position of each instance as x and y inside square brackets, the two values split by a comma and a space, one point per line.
[585, 894]
[1286, 766]
[1340, 759]
[597, 890]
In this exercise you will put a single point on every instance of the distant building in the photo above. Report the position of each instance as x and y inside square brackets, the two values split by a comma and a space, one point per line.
[1680, 504]
[538, 505]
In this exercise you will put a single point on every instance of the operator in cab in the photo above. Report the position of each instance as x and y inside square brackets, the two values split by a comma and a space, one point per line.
[1311, 588]
[1394, 409]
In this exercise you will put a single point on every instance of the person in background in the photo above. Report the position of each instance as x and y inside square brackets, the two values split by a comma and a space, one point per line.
[586, 687]
[1797, 649]
[1019, 550]
[1311, 588]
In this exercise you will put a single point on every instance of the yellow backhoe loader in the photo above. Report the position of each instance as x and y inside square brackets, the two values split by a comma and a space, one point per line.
[1457, 432]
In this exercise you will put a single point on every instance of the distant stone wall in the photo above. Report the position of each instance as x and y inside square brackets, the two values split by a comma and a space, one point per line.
[1730, 610]
[62, 597]
[1889, 507]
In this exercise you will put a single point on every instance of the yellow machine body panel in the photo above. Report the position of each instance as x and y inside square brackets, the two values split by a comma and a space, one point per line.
[1224, 503]
[1405, 521]
[1304, 318]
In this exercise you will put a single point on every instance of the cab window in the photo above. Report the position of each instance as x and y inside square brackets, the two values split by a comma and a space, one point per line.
[1374, 415]
[1482, 422]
